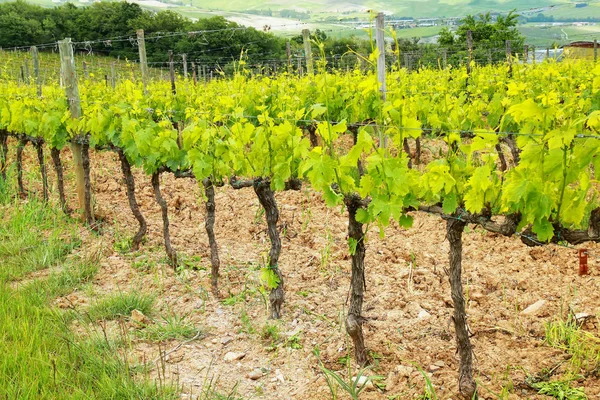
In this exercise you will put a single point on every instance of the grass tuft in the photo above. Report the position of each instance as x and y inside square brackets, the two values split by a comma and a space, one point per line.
[169, 328]
[121, 305]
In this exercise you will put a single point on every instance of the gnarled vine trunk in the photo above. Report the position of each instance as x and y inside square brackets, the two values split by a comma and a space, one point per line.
[503, 164]
[466, 383]
[209, 224]
[135, 209]
[354, 319]
[266, 197]
[58, 167]
[514, 149]
[3, 153]
[40, 156]
[312, 135]
[407, 150]
[20, 147]
[171, 253]
[85, 161]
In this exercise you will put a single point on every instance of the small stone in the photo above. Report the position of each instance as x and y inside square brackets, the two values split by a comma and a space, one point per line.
[231, 356]
[226, 340]
[534, 308]
[279, 376]
[362, 381]
[434, 368]
[255, 374]
[138, 317]
[404, 370]
[199, 304]
[423, 315]
[214, 341]
[440, 364]
[476, 296]
[582, 316]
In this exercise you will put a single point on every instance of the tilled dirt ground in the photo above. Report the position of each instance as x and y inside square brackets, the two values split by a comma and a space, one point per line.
[407, 305]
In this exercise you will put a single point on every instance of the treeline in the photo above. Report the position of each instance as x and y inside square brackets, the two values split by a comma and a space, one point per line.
[109, 25]
[108, 28]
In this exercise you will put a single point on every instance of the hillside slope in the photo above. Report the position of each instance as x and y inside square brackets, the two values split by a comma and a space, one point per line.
[412, 8]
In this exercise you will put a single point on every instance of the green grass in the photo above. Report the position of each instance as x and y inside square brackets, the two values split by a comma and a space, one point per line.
[582, 346]
[121, 304]
[24, 250]
[42, 358]
[168, 328]
[562, 390]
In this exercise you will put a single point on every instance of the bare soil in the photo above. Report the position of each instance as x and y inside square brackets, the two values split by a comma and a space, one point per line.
[408, 306]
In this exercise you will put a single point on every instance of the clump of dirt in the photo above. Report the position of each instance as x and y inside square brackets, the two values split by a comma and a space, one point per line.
[407, 306]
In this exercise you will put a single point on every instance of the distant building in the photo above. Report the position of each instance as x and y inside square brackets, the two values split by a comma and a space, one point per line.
[581, 50]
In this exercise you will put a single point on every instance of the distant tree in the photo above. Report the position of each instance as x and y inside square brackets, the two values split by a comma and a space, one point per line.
[489, 36]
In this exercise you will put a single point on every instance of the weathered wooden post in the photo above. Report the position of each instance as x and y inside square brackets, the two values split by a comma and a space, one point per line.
[288, 53]
[380, 40]
[172, 72]
[82, 178]
[143, 60]
[36, 69]
[185, 70]
[307, 51]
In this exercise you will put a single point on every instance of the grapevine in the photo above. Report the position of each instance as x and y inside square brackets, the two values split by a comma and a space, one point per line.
[517, 154]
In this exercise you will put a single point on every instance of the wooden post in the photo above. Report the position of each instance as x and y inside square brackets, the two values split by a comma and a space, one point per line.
[22, 74]
[143, 60]
[509, 57]
[307, 51]
[172, 72]
[380, 40]
[469, 51]
[204, 73]
[300, 71]
[547, 52]
[445, 57]
[36, 69]
[27, 76]
[67, 62]
[288, 53]
[533, 60]
[85, 71]
[526, 54]
[113, 75]
[185, 74]
[595, 49]
[194, 73]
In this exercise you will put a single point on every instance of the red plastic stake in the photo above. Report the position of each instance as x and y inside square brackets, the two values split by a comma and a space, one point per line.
[583, 257]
